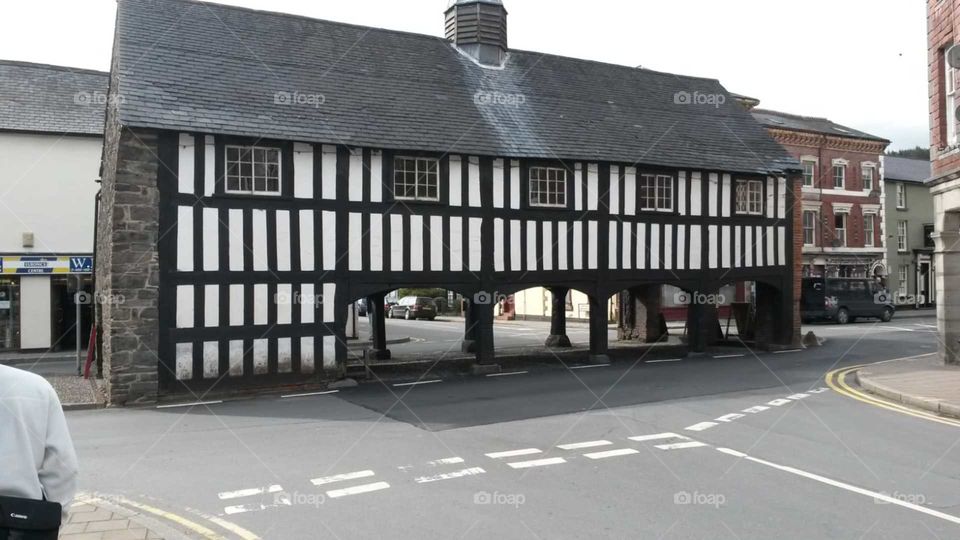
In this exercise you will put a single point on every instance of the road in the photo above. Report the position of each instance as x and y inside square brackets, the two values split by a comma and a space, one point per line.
[446, 333]
[748, 447]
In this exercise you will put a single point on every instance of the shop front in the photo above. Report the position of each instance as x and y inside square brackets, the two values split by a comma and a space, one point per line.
[46, 302]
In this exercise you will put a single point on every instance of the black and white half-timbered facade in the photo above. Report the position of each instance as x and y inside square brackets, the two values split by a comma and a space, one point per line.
[263, 171]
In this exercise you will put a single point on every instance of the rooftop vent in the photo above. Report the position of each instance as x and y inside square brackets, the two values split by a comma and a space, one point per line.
[479, 28]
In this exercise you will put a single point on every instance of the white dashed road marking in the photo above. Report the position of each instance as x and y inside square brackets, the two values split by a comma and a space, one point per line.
[798, 396]
[513, 453]
[664, 361]
[310, 394]
[788, 351]
[341, 477]
[842, 485]
[507, 374]
[729, 417]
[757, 409]
[702, 426]
[730, 356]
[537, 463]
[279, 499]
[818, 391]
[194, 404]
[779, 402]
[226, 495]
[243, 508]
[418, 383]
[612, 453]
[579, 445]
[473, 471]
[445, 461]
[356, 490]
[589, 366]
[680, 446]
[657, 437]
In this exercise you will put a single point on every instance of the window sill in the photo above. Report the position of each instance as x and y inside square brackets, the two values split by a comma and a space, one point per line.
[418, 202]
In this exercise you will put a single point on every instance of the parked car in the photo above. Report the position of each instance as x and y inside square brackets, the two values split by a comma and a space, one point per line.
[843, 300]
[413, 307]
[362, 307]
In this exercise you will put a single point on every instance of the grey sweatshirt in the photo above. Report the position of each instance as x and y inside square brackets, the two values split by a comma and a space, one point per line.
[36, 453]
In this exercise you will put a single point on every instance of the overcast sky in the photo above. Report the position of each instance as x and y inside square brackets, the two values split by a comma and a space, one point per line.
[858, 62]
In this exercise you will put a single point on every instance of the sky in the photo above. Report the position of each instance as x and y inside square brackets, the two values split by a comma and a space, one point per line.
[861, 63]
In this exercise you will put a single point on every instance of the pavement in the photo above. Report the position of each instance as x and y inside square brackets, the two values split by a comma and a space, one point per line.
[744, 445]
[97, 517]
[923, 382]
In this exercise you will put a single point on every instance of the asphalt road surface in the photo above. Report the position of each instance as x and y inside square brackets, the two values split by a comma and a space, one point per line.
[728, 445]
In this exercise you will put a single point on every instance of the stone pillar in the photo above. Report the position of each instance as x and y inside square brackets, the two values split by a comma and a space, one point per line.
[482, 314]
[774, 326]
[703, 326]
[640, 317]
[947, 263]
[378, 328]
[558, 318]
[598, 330]
[469, 343]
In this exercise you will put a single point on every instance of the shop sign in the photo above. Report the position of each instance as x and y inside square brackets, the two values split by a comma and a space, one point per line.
[46, 265]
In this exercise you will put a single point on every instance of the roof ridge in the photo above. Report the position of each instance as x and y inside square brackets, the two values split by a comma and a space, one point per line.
[431, 37]
[67, 69]
[793, 115]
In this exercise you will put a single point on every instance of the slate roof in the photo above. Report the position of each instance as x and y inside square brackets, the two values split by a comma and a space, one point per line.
[782, 120]
[906, 170]
[187, 65]
[51, 99]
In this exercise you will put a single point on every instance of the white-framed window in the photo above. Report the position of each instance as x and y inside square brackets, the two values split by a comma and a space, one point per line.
[868, 234]
[252, 170]
[902, 244]
[656, 192]
[866, 174]
[840, 229]
[750, 197]
[416, 179]
[809, 173]
[548, 187]
[903, 278]
[901, 195]
[809, 228]
[839, 175]
[950, 103]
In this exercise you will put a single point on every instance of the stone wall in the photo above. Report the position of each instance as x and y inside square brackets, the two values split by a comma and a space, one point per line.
[127, 263]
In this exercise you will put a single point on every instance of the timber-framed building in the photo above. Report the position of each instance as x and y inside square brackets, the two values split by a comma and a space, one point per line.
[264, 171]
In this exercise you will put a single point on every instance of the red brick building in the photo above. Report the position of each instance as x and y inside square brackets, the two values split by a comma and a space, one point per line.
[842, 219]
[943, 27]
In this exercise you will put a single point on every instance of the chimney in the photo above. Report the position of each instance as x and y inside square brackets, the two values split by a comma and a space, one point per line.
[479, 28]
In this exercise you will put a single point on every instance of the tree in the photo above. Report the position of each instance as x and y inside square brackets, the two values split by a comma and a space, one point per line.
[911, 153]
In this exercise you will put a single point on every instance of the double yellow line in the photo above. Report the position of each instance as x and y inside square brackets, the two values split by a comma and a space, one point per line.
[194, 527]
[836, 380]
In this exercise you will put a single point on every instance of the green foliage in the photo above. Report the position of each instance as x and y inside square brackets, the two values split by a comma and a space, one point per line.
[429, 293]
[912, 153]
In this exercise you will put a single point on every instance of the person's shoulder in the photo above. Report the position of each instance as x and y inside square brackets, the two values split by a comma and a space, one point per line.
[24, 383]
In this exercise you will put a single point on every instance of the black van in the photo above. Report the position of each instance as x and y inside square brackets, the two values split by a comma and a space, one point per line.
[844, 300]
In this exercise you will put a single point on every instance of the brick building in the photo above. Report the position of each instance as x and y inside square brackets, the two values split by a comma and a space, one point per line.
[943, 27]
[843, 226]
